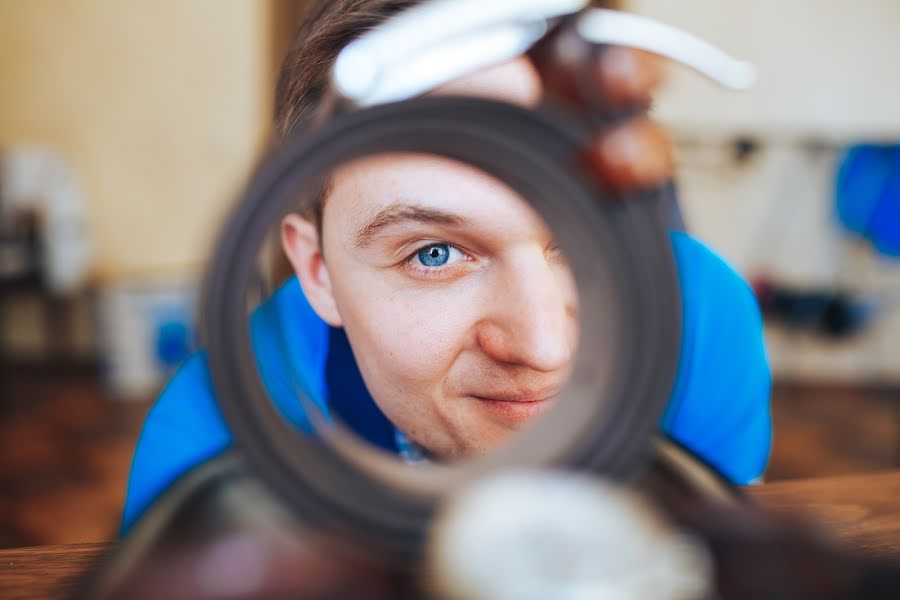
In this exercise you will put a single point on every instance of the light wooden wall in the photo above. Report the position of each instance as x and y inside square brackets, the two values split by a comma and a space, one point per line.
[161, 105]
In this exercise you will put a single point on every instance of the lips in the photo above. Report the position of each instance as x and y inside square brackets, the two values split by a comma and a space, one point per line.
[516, 408]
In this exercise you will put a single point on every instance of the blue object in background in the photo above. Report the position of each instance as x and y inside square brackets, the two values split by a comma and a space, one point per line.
[173, 342]
[867, 195]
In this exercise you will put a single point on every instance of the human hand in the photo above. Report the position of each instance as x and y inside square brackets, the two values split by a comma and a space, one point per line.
[614, 87]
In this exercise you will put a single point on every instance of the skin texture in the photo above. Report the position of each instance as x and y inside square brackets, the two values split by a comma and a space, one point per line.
[461, 354]
[497, 321]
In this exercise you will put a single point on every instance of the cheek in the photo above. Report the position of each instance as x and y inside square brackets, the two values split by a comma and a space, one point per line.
[408, 336]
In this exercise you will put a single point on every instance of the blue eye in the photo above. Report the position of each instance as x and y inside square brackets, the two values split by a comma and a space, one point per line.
[436, 255]
[433, 257]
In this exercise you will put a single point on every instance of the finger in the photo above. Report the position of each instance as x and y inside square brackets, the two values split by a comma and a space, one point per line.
[625, 76]
[634, 155]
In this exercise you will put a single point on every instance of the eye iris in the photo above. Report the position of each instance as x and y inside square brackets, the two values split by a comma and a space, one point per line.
[434, 256]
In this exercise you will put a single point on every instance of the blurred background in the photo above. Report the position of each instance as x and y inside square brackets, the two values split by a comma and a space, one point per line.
[127, 128]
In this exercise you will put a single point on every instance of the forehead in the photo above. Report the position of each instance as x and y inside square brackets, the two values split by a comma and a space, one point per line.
[360, 189]
[515, 81]
[363, 188]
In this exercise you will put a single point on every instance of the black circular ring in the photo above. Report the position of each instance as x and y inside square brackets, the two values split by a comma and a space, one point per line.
[619, 252]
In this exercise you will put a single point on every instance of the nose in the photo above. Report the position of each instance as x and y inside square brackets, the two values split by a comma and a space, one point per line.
[529, 315]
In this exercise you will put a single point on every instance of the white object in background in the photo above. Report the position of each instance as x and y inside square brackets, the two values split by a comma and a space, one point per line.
[41, 180]
[602, 26]
[132, 320]
[525, 535]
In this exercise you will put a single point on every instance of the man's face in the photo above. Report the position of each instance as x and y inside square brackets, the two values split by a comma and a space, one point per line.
[459, 308]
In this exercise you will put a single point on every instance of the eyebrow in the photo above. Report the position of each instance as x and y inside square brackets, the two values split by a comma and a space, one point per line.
[399, 213]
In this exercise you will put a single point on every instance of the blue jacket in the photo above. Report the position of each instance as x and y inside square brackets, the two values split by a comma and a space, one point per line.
[719, 407]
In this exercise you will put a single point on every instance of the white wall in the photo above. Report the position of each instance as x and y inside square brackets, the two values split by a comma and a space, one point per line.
[827, 67]
[828, 76]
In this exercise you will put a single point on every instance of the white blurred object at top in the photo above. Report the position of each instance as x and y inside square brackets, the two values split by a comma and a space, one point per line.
[441, 40]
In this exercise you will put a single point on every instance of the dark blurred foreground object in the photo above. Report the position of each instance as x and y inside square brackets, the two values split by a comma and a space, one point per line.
[861, 510]
[832, 313]
[219, 535]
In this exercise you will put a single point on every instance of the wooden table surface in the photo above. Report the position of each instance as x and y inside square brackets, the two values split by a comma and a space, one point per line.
[863, 511]
[45, 572]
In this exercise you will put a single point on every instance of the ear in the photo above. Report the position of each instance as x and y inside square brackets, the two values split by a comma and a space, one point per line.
[300, 242]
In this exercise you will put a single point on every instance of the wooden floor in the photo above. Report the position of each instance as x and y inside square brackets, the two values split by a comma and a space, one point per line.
[822, 431]
[65, 448]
